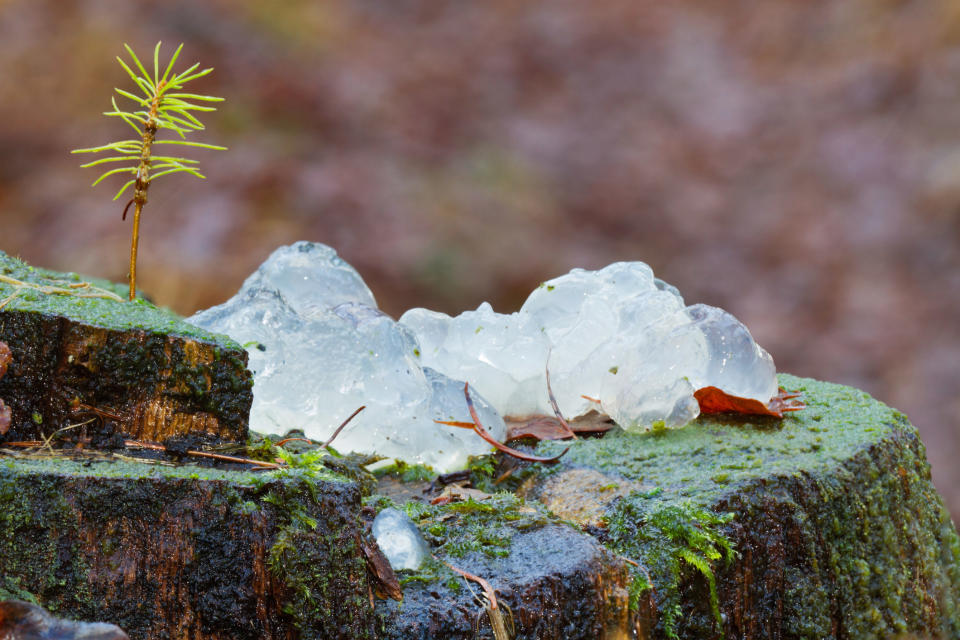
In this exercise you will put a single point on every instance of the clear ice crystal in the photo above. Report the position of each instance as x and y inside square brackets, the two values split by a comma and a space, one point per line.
[314, 365]
[399, 539]
[618, 340]
[311, 277]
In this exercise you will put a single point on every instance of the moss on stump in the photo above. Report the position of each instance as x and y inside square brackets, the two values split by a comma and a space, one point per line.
[837, 528]
[139, 368]
[185, 552]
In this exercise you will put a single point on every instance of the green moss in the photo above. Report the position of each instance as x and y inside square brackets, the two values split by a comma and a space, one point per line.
[51, 548]
[408, 472]
[98, 312]
[669, 540]
[838, 493]
[728, 450]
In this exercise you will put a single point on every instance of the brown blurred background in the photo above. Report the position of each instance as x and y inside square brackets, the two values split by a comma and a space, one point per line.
[795, 162]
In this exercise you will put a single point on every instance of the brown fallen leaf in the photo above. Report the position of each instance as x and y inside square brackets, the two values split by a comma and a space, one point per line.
[714, 400]
[547, 428]
[454, 493]
[24, 621]
[383, 578]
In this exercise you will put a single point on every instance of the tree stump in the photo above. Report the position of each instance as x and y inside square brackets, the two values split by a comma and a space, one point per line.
[838, 530]
[80, 353]
[185, 552]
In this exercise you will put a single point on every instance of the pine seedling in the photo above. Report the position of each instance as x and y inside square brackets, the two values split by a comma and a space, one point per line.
[162, 105]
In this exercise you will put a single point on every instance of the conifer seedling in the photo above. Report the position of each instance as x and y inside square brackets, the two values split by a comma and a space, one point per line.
[162, 105]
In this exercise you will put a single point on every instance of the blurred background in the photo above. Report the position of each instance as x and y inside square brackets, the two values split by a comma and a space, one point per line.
[796, 163]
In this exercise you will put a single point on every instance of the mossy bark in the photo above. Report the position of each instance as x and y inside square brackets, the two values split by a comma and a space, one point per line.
[185, 553]
[141, 369]
[838, 529]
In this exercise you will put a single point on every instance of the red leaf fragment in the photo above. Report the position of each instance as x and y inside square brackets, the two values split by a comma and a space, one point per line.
[714, 400]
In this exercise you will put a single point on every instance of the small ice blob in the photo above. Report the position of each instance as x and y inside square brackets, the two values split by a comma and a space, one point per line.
[399, 539]
[734, 362]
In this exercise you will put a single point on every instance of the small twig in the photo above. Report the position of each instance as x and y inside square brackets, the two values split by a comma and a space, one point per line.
[483, 433]
[487, 589]
[136, 444]
[342, 425]
[49, 439]
[103, 413]
[286, 440]
[66, 289]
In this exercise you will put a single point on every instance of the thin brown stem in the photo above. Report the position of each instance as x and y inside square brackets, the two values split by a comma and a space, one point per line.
[342, 425]
[143, 183]
[135, 241]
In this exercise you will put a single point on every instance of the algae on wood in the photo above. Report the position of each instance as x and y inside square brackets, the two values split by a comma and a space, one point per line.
[838, 529]
[141, 368]
[178, 552]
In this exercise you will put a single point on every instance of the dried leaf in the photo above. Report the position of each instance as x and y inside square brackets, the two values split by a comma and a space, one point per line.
[385, 581]
[453, 493]
[714, 400]
[547, 428]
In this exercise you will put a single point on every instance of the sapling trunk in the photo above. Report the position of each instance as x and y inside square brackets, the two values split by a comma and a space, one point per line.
[161, 109]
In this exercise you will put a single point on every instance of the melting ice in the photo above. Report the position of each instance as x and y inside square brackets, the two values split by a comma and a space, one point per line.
[319, 348]
[399, 539]
[617, 340]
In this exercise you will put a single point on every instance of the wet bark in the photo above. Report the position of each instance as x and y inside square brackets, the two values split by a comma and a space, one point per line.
[147, 385]
[185, 553]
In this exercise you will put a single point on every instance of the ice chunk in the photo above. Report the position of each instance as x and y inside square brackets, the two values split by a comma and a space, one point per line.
[399, 539]
[618, 335]
[735, 363]
[314, 365]
[617, 339]
[505, 365]
[310, 277]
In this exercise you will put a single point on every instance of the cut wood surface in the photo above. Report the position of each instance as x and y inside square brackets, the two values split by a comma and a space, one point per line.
[79, 357]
